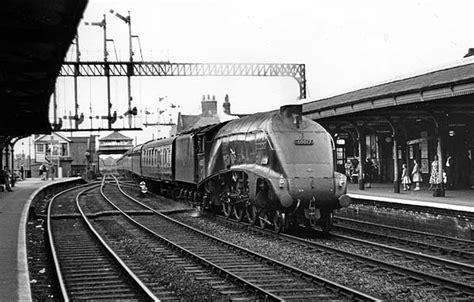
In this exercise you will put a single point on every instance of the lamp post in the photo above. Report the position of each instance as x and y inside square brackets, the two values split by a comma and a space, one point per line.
[128, 21]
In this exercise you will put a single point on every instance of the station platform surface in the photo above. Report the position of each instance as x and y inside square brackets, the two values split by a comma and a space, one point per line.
[14, 279]
[457, 199]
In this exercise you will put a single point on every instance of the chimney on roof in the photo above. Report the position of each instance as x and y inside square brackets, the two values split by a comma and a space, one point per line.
[470, 53]
[226, 104]
[209, 107]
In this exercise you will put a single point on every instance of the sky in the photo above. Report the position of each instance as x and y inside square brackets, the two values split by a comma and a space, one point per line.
[345, 45]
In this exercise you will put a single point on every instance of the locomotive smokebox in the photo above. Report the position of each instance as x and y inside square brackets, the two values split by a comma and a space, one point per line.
[292, 113]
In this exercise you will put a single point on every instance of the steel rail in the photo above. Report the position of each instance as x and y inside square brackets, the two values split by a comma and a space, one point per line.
[140, 285]
[433, 279]
[349, 292]
[59, 275]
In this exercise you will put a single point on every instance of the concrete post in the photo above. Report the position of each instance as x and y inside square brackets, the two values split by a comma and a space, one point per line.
[396, 178]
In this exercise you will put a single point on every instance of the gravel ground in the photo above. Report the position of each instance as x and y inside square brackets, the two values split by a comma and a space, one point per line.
[166, 274]
[383, 286]
[380, 285]
[43, 286]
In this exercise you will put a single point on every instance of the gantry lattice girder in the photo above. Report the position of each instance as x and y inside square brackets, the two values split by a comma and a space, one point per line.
[117, 69]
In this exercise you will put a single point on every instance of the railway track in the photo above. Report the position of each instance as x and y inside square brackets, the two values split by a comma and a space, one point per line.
[453, 280]
[249, 271]
[86, 267]
[450, 248]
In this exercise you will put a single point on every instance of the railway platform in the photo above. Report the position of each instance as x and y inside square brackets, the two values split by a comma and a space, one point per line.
[14, 279]
[457, 199]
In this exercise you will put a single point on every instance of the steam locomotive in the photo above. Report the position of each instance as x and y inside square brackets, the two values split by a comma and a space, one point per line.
[275, 169]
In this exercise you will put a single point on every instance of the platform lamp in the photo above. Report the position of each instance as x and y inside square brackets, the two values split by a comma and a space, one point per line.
[128, 21]
[103, 24]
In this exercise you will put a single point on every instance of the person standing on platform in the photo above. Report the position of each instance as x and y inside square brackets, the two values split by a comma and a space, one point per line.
[22, 172]
[405, 178]
[434, 177]
[5, 179]
[368, 172]
[416, 175]
[348, 168]
[52, 171]
[43, 170]
[450, 172]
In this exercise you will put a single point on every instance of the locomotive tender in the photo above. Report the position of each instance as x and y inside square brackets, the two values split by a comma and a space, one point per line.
[273, 169]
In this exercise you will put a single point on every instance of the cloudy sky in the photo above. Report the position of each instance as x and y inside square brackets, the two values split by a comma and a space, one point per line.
[345, 45]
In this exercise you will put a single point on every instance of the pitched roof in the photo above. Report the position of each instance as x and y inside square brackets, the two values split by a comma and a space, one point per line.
[430, 80]
[187, 121]
[116, 136]
[41, 137]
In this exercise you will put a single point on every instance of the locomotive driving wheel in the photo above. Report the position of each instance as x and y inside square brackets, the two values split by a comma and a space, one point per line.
[238, 210]
[278, 222]
[226, 207]
[252, 213]
[263, 218]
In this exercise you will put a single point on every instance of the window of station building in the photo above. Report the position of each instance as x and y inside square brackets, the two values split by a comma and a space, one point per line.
[40, 148]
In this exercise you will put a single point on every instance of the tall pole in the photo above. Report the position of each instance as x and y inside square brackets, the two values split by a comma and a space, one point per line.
[107, 74]
[128, 20]
[76, 73]
[130, 71]
[55, 108]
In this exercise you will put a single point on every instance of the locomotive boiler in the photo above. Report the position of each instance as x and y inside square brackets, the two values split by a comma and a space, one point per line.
[275, 169]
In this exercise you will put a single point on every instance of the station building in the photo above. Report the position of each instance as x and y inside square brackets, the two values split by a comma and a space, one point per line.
[412, 118]
[68, 154]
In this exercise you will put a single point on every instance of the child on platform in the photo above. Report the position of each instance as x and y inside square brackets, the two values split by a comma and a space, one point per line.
[406, 181]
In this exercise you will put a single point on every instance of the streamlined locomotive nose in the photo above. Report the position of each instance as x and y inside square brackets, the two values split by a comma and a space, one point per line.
[304, 189]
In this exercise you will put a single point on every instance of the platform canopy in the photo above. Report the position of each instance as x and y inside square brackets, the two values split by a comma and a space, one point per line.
[36, 35]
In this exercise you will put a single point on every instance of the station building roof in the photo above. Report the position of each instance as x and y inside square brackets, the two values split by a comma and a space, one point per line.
[450, 81]
[35, 38]
[116, 136]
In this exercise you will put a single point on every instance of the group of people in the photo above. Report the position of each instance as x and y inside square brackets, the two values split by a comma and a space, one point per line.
[408, 177]
[414, 176]
[352, 171]
[44, 171]
[447, 177]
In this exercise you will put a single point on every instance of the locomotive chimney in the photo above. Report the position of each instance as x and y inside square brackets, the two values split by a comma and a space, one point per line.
[292, 114]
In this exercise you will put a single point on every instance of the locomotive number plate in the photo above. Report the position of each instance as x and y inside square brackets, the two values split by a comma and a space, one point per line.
[303, 141]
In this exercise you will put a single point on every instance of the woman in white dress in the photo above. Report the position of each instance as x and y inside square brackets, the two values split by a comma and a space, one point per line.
[416, 175]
